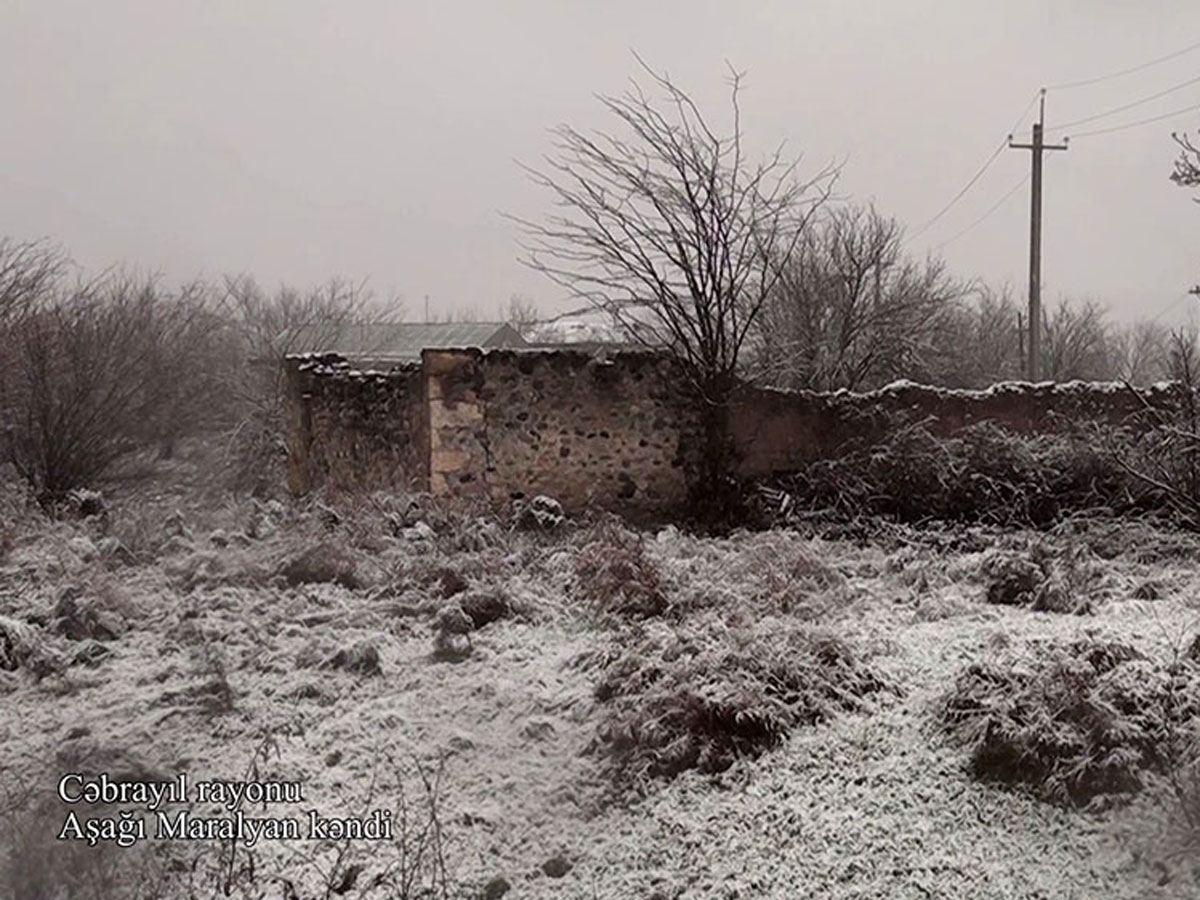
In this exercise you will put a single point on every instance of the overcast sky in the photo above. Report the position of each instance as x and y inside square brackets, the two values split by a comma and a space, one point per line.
[295, 139]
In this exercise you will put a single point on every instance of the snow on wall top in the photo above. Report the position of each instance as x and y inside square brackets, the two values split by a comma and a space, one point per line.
[1063, 389]
[336, 365]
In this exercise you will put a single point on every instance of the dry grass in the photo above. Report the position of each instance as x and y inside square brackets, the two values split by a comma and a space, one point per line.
[797, 668]
[1073, 721]
[616, 575]
[983, 473]
[700, 698]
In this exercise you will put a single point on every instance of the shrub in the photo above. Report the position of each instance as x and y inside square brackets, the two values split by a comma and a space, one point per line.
[678, 701]
[542, 513]
[485, 607]
[19, 643]
[255, 457]
[616, 575]
[98, 613]
[1015, 580]
[97, 370]
[981, 473]
[214, 568]
[323, 563]
[1041, 581]
[1072, 721]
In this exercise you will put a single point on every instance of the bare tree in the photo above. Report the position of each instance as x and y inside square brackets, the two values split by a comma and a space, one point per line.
[1187, 169]
[982, 339]
[668, 228]
[28, 270]
[1140, 351]
[1075, 342]
[522, 314]
[96, 370]
[850, 310]
[1181, 349]
[272, 326]
[1187, 165]
[264, 329]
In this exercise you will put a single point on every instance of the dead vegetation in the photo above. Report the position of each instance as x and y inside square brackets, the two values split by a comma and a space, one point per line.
[670, 657]
[323, 563]
[1074, 721]
[701, 698]
[982, 473]
[1041, 580]
[616, 575]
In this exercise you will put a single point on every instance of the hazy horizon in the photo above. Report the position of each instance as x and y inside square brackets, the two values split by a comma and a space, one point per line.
[301, 140]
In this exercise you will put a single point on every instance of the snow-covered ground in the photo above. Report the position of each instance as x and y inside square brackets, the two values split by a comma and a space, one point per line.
[230, 638]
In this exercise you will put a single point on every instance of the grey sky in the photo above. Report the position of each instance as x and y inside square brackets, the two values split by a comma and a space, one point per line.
[297, 139]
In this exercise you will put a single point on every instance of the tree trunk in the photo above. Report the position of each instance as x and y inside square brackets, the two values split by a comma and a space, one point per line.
[716, 495]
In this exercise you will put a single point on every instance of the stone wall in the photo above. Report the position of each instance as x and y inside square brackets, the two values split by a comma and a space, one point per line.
[613, 430]
[350, 428]
[780, 431]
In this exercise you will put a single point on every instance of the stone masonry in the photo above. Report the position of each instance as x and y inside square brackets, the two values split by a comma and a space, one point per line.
[614, 430]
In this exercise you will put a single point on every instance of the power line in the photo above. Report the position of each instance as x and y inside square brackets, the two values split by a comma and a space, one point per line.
[1128, 106]
[1138, 68]
[991, 209]
[970, 184]
[1177, 112]
[979, 174]
[1173, 304]
[921, 229]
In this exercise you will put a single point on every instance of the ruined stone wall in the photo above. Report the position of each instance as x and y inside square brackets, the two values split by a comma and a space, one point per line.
[779, 431]
[349, 428]
[613, 432]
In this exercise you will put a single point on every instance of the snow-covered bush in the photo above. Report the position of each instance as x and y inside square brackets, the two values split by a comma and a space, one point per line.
[616, 576]
[982, 473]
[700, 697]
[1072, 720]
[1042, 580]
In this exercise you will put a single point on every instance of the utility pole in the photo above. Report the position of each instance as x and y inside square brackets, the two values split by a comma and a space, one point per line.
[1036, 146]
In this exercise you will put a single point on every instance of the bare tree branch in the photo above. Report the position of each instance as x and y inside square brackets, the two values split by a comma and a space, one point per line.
[666, 228]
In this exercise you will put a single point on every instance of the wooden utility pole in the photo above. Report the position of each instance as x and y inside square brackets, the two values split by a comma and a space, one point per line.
[1036, 146]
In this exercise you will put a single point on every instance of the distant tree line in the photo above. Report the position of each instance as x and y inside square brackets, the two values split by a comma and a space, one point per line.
[98, 370]
[853, 311]
[744, 269]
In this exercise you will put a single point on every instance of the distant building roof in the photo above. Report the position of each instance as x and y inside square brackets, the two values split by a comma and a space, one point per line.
[402, 340]
[582, 331]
